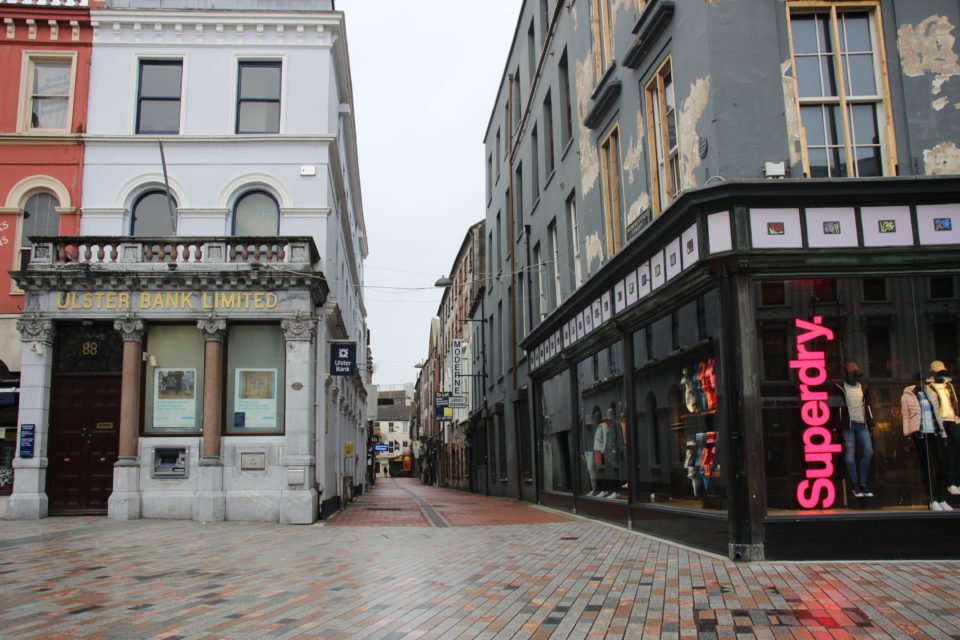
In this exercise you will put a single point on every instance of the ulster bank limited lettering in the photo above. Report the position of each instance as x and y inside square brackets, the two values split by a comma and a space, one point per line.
[166, 300]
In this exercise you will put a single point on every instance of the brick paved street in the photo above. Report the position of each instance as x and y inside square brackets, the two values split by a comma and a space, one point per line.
[408, 561]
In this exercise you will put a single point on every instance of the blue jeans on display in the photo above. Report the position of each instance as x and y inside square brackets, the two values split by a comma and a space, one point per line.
[857, 434]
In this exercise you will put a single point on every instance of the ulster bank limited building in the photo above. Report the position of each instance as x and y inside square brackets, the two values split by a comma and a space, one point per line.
[169, 379]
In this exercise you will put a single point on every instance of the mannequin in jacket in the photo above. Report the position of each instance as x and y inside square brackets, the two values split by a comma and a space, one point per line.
[922, 426]
[943, 397]
[855, 422]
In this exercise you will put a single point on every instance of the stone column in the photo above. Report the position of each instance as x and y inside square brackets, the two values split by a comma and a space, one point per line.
[124, 502]
[29, 498]
[298, 500]
[209, 504]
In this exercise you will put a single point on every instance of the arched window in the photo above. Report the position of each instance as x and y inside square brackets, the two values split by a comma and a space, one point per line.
[40, 218]
[256, 214]
[151, 215]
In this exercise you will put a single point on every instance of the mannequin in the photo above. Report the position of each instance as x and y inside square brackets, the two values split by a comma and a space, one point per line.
[921, 425]
[604, 453]
[946, 408]
[589, 456]
[689, 395]
[856, 422]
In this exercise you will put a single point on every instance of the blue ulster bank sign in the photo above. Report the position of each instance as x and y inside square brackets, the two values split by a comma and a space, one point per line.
[343, 358]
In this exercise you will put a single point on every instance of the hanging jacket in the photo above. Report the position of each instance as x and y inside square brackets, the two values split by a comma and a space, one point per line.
[935, 398]
[843, 414]
[910, 412]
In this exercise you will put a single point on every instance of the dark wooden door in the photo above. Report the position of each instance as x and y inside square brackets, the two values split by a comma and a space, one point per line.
[84, 442]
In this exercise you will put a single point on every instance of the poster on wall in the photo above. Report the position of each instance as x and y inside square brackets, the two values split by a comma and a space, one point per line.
[255, 400]
[175, 398]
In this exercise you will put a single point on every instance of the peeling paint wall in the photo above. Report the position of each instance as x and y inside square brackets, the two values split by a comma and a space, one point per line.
[594, 253]
[634, 153]
[638, 206]
[790, 111]
[688, 118]
[589, 160]
[927, 48]
[941, 159]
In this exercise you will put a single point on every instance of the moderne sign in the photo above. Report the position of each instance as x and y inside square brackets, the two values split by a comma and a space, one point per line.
[817, 489]
[165, 300]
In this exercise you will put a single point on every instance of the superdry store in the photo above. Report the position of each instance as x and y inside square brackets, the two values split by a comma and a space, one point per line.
[766, 373]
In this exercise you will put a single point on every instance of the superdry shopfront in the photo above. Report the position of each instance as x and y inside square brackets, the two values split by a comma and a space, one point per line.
[169, 379]
[747, 375]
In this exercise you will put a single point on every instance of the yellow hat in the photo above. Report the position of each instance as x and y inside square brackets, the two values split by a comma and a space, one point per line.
[937, 366]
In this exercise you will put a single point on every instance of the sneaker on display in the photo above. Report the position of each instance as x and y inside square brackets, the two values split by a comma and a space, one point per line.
[867, 493]
[954, 490]
[935, 506]
[944, 506]
[857, 493]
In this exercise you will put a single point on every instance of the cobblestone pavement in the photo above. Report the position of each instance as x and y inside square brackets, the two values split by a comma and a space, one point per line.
[457, 566]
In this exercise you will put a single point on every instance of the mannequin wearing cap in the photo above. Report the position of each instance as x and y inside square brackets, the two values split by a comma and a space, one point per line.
[856, 421]
[929, 440]
[946, 409]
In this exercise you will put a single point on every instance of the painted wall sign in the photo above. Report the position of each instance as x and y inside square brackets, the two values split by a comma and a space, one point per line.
[343, 358]
[817, 489]
[27, 437]
[166, 300]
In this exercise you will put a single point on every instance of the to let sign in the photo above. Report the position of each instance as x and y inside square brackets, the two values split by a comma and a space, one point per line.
[343, 358]
[28, 434]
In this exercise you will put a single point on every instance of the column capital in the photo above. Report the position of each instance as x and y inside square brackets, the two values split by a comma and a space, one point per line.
[130, 328]
[33, 328]
[214, 329]
[300, 327]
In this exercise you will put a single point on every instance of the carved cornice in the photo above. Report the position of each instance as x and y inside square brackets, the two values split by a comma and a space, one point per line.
[130, 328]
[213, 328]
[35, 329]
[300, 327]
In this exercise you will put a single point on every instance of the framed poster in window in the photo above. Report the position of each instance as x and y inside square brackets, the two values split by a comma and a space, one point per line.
[255, 402]
[174, 398]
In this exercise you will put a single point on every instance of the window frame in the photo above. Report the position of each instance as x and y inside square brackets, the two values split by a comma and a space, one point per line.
[885, 130]
[157, 62]
[29, 60]
[664, 186]
[611, 182]
[140, 197]
[264, 63]
[243, 196]
[600, 25]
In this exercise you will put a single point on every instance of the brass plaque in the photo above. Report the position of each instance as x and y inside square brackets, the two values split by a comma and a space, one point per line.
[104, 426]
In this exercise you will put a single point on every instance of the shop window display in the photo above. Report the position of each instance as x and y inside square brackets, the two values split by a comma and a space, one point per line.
[174, 379]
[844, 428]
[677, 401]
[603, 426]
[556, 430]
[256, 363]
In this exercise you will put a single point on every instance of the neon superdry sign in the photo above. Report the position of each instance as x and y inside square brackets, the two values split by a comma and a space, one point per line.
[817, 488]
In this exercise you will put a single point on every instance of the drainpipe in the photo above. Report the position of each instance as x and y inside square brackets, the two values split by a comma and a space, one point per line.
[511, 214]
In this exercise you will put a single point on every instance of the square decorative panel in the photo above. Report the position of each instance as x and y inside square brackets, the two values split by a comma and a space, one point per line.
[719, 233]
[619, 296]
[937, 223]
[630, 284]
[643, 281]
[831, 227]
[775, 229]
[886, 226]
[588, 320]
[605, 307]
[673, 260]
[566, 335]
[690, 249]
[657, 275]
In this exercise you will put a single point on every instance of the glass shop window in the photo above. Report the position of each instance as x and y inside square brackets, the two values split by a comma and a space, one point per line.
[255, 379]
[843, 429]
[602, 443]
[556, 430]
[173, 357]
[676, 427]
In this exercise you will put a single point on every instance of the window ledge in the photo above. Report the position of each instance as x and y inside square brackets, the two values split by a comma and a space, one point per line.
[650, 24]
[600, 105]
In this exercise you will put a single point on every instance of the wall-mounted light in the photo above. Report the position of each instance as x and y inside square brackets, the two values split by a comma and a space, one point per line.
[150, 359]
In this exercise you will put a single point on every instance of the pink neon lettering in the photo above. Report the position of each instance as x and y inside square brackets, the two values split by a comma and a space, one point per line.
[818, 446]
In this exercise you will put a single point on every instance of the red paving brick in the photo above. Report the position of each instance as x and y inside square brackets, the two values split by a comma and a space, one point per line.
[408, 561]
[406, 502]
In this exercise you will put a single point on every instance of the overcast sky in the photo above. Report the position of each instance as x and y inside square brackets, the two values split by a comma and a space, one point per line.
[425, 76]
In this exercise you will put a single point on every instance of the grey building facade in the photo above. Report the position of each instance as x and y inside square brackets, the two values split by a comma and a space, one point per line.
[677, 193]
